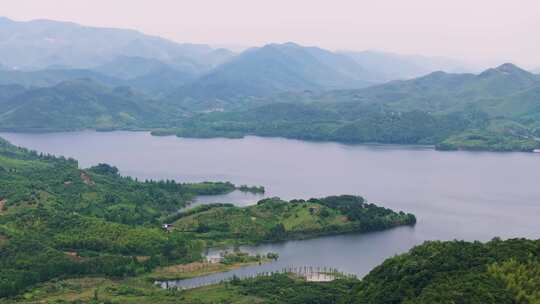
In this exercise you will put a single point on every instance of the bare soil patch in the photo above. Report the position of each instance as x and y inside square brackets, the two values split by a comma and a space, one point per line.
[3, 205]
[86, 179]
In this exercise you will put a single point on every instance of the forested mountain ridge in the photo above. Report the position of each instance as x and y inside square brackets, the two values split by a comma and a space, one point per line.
[141, 82]
[52, 77]
[149, 75]
[439, 91]
[395, 66]
[152, 77]
[40, 44]
[78, 104]
[46, 52]
[497, 109]
[271, 69]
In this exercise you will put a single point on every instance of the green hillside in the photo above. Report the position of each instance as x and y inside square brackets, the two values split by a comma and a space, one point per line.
[152, 77]
[495, 110]
[79, 104]
[457, 272]
[498, 109]
[440, 91]
[268, 70]
[274, 219]
[58, 220]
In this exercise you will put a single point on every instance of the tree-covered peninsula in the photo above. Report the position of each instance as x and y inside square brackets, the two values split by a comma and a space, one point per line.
[60, 221]
[273, 219]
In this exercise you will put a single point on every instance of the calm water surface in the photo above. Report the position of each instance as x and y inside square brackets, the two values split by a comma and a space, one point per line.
[455, 195]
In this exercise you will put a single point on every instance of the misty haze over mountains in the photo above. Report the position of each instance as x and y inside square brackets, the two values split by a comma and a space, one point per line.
[59, 76]
[291, 152]
[131, 55]
[45, 43]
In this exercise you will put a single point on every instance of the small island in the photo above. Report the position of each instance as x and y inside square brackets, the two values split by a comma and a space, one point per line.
[251, 189]
[273, 219]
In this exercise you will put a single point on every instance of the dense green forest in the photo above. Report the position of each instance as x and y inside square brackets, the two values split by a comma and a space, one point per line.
[457, 272]
[496, 110]
[81, 104]
[495, 272]
[273, 219]
[435, 272]
[57, 220]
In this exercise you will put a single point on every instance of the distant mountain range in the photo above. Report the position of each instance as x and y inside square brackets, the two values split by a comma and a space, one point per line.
[63, 76]
[44, 52]
[45, 43]
[51, 77]
[192, 75]
[439, 91]
[275, 68]
[291, 68]
[389, 66]
[147, 75]
[498, 109]
[76, 105]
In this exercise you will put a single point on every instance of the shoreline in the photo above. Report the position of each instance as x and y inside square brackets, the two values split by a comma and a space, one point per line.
[152, 132]
[199, 270]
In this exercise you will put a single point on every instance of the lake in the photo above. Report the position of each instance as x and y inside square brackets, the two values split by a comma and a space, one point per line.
[455, 195]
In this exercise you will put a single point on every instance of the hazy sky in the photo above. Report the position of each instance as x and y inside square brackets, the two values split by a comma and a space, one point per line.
[488, 31]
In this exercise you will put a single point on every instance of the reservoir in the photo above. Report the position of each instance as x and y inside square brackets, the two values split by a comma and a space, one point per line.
[454, 195]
